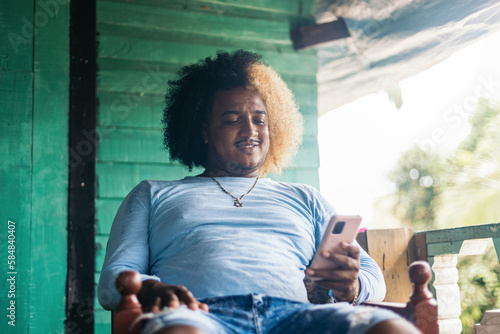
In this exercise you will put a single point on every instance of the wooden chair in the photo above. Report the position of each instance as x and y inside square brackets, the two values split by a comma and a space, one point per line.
[421, 309]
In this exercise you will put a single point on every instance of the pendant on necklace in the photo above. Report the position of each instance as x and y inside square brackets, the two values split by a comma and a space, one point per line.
[237, 203]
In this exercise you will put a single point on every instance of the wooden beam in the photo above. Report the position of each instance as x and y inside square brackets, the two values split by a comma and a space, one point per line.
[82, 151]
[311, 35]
[462, 233]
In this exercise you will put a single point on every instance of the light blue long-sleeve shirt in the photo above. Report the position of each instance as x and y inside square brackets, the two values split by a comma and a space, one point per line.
[188, 232]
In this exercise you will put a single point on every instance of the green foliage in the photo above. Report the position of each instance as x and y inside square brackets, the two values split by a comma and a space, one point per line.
[465, 190]
[457, 190]
[479, 287]
[418, 179]
[484, 129]
[472, 192]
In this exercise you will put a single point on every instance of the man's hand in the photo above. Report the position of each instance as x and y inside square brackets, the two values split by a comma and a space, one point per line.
[155, 295]
[343, 280]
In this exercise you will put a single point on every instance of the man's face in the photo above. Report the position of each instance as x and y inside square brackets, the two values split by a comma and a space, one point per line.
[237, 133]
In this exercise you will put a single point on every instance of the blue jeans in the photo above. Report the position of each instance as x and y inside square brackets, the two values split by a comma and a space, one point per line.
[258, 314]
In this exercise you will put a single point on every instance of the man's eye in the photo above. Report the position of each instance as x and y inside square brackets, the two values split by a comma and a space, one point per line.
[230, 121]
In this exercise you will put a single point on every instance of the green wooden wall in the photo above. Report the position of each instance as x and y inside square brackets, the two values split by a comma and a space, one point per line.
[141, 46]
[34, 83]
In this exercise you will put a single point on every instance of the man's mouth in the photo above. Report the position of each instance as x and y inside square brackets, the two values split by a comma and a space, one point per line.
[247, 144]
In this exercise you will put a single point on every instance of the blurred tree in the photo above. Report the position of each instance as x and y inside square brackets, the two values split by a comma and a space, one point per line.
[479, 286]
[462, 189]
[418, 179]
[471, 195]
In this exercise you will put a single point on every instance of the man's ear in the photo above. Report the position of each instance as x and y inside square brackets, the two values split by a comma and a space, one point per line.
[204, 132]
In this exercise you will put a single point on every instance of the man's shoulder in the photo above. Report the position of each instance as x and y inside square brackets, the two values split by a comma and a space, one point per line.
[161, 184]
[292, 186]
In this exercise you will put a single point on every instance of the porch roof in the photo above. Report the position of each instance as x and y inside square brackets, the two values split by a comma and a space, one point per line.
[392, 40]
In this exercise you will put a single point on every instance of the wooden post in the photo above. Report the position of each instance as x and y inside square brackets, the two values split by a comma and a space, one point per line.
[82, 159]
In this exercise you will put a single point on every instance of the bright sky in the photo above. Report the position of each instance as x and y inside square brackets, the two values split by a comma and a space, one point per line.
[361, 142]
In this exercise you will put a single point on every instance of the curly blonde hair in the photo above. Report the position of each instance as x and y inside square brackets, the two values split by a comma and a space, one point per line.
[285, 120]
[190, 97]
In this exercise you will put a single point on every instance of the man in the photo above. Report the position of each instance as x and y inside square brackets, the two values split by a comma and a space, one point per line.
[227, 251]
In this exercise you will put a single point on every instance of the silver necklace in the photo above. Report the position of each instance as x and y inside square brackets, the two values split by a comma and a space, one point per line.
[237, 201]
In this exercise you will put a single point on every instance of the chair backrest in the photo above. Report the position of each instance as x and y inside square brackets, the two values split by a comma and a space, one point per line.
[393, 250]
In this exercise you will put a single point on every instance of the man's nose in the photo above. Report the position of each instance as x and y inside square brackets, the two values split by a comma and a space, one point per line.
[248, 129]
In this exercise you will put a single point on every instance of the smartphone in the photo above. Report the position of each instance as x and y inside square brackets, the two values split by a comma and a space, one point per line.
[340, 228]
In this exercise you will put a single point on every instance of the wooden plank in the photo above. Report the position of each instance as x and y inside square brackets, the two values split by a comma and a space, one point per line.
[194, 37]
[159, 19]
[16, 113]
[81, 187]
[106, 209]
[444, 248]
[128, 109]
[123, 47]
[151, 80]
[418, 248]
[117, 180]
[229, 6]
[161, 71]
[48, 264]
[50, 150]
[133, 110]
[462, 233]
[132, 145]
[305, 94]
[102, 321]
[100, 248]
[388, 247]
[361, 240]
[298, 175]
[145, 146]
[310, 120]
[16, 50]
[308, 155]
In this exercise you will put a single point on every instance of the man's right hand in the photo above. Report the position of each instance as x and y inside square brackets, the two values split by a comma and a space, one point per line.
[155, 295]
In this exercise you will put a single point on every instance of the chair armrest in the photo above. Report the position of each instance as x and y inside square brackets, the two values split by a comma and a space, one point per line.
[128, 283]
[421, 310]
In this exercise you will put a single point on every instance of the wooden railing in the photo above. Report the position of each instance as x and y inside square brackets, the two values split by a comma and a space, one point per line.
[395, 249]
